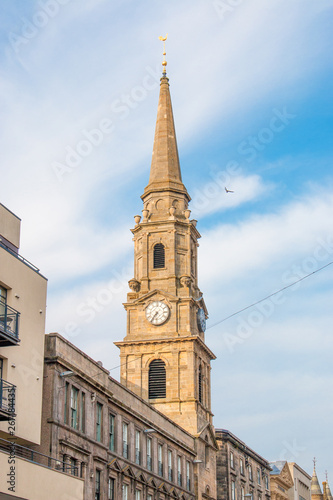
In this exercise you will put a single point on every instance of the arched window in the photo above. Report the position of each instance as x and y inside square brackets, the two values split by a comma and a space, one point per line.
[200, 384]
[159, 256]
[157, 379]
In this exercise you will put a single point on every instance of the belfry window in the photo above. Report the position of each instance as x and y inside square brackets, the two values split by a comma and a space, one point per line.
[200, 384]
[159, 256]
[157, 379]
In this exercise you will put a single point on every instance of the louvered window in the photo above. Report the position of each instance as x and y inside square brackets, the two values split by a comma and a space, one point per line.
[157, 379]
[200, 385]
[159, 256]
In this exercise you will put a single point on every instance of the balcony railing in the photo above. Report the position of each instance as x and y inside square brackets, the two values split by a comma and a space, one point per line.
[9, 325]
[37, 458]
[7, 400]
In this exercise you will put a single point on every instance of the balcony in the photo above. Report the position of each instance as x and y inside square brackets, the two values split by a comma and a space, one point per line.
[7, 400]
[9, 325]
[36, 457]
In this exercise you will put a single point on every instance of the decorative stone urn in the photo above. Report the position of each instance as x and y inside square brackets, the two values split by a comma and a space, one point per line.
[187, 213]
[137, 219]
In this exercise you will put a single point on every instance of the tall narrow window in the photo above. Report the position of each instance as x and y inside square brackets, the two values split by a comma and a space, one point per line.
[233, 490]
[3, 295]
[99, 410]
[125, 491]
[200, 384]
[232, 464]
[137, 447]
[170, 471]
[125, 440]
[111, 489]
[206, 453]
[149, 454]
[241, 466]
[179, 471]
[160, 459]
[159, 256]
[83, 412]
[74, 412]
[258, 476]
[137, 494]
[66, 403]
[97, 484]
[242, 493]
[157, 379]
[188, 479]
[111, 432]
[250, 473]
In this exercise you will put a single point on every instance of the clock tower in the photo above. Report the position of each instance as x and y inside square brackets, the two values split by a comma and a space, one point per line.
[164, 358]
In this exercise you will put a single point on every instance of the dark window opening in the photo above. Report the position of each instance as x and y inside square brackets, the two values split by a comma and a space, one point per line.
[200, 385]
[157, 379]
[159, 256]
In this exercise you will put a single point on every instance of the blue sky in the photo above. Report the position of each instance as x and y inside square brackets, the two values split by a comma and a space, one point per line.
[251, 86]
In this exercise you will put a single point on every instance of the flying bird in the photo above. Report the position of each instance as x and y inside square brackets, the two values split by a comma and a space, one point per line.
[228, 190]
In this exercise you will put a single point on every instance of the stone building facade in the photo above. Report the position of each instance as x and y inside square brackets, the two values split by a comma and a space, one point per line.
[281, 480]
[241, 473]
[117, 442]
[302, 483]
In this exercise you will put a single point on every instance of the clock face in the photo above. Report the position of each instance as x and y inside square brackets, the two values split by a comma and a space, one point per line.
[201, 320]
[157, 312]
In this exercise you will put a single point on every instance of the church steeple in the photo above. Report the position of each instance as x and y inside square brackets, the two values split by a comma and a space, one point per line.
[165, 174]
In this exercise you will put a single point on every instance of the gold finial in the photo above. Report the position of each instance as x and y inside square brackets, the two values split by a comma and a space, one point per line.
[326, 474]
[164, 63]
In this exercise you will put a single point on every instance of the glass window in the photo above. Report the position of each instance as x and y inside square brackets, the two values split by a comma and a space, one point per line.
[149, 497]
[241, 466]
[111, 489]
[179, 471]
[232, 460]
[66, 403]
[74, 412]
[125, 491]
[125, 440]
[3, 295]
[137, 447]
[160, 459]
[97, 484]
[250, 472]
[266, 482]
[242, 493]
[149, 454]
[99, 414]
[233, 490]
[111, 431]
[137, 494]
[258, 476]
[83, 412]
[188, 479]
[170, 471]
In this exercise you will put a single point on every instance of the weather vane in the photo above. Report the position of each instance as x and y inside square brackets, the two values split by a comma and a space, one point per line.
[164, 63]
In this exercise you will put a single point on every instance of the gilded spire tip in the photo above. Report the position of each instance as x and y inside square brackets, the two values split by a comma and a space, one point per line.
[164, 63]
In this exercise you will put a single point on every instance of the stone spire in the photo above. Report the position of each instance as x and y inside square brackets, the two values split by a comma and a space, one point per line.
[326, 490]
[165, 175]
[316, 493]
